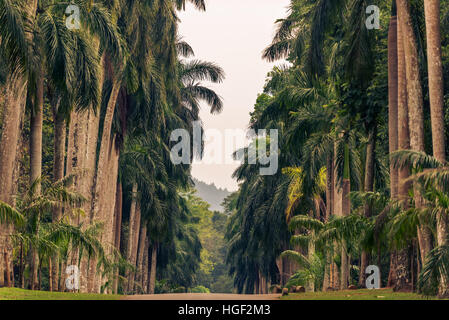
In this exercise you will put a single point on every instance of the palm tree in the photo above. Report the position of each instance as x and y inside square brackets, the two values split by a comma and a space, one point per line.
[436, 96]
[15, 42]
[415, 104]
[393, 105]
[432, 176]
[393, 98]
[16, 21]
[190, 74]
[43, 237]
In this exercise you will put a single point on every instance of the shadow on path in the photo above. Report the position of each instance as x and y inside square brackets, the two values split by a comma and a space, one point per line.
[203, 296]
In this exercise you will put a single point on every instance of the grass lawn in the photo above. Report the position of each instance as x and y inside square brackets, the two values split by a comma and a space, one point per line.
[21, 294]
[381, 294]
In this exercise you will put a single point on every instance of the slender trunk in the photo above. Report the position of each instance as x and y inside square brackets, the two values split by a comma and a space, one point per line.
[329, 211]
[59, 152]
[335, 276]
[337, 207]
[58, 174]
[279, 263]
[36, 163]
[369, 187]
[145, 265]
[7, 271]
[40, 277]
[326, 280]
[134, 233]
[392, 273]
[403, 118]
[88, 267]
[61, 286]
[393, 100]
[435, 69]
[329, 186]
[311, 253]
[394, 104]
[21, 267]
[112, 192]
[71, 143]
[78, 166]
[399, 272]
[436, 97]
[363, 264]
[153, 268]
[118, 215]
[117, 229]
[132, 222]
[415, 105]
[345, 211]
[36, 135]
[143, 234]
[50, 276]
[87, 187]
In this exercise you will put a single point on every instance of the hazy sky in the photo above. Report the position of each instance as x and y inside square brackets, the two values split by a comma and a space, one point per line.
[233, 34]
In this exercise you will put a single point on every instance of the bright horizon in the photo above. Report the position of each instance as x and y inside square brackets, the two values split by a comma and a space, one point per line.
[236, 35]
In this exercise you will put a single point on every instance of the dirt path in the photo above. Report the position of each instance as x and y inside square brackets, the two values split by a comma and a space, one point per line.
[203, 296]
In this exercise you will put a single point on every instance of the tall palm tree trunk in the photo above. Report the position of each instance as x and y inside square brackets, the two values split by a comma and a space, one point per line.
[436, 95]
[36, 163]
[76, 165]
[393, 130]
[153, 269]
[112, 191]
[117, 229]
[15, 98]
[88, 179]
[329, 212]
[132, 245]
[435, 70]
[132, 218]
[415, 108]
[14, 106]
[329, 186]
[369, 187]
[393, 100]
[345, 211]
[99, 199]
[145, 278]
[105, 148]
[337, 211]
[400, 275]
[58, 174]
[139, 277]
[7, 272]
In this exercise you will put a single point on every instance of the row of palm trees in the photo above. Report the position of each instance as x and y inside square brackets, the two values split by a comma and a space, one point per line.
[336, 207]
[115, 88]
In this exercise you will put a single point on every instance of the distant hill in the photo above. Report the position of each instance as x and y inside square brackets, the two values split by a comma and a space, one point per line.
[211, 194]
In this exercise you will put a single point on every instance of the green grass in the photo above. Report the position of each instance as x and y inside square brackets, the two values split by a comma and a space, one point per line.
[21, 294]
[381, 294]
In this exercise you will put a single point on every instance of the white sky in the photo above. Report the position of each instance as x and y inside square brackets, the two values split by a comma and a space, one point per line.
[233, 34]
